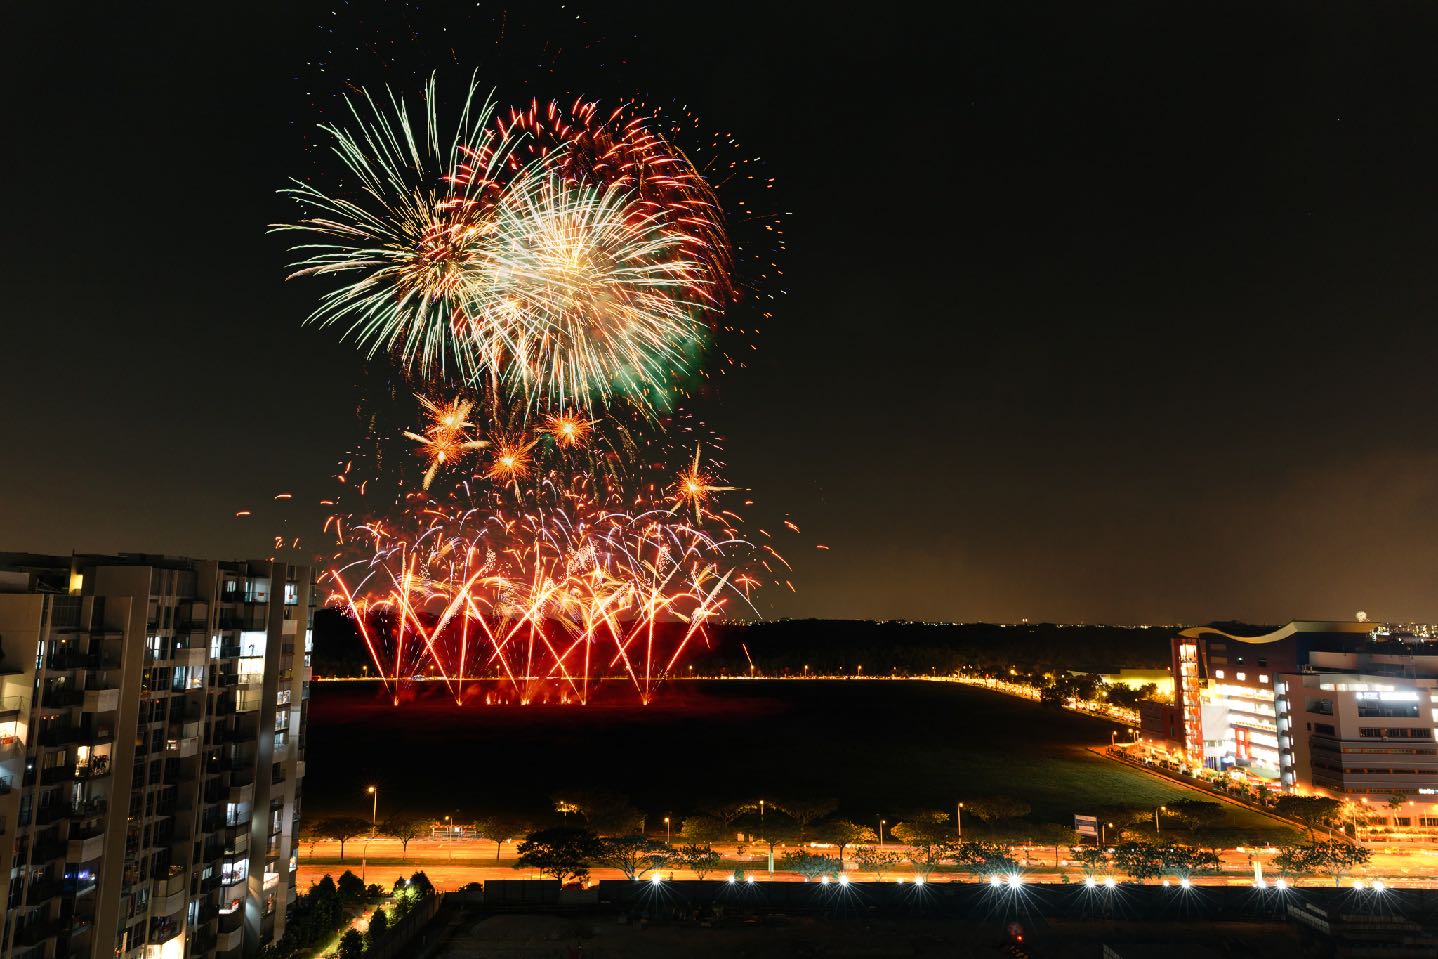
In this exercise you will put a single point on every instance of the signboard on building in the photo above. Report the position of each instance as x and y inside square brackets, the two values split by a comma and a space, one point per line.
[1086, 825]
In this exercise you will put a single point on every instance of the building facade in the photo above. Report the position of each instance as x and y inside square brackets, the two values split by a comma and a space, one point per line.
[1343, 709]
[152, 716]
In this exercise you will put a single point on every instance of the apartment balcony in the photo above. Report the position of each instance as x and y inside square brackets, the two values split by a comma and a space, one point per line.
[84, 850]
[232, 920]
[56, 774]
[163, 929]
[82, 735]
[43, 852]
[97, 768]
[202, 943]
[62, 697]
[41, 892]
[191, 656]
[227, 942]
[169, 896]
[237, 842]
[182, 748]
[63, 661]
[101, 700]
[90, 807]
[242, 794]
[34, 933]
[51, 812]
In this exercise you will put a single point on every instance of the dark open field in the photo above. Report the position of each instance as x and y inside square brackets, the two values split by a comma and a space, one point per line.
[880, 747]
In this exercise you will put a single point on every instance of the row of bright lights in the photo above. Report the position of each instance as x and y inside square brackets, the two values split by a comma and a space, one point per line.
[1014, 880]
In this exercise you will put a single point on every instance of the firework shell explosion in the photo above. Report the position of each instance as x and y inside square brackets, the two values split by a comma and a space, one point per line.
[576, 258]
[547, 279]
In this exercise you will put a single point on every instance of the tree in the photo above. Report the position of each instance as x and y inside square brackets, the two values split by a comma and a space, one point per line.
[810, 865]
[500, 829]
[350, 886]
[1197, 813]
[700, 859]
[807, 811]
[406, 827]
[1336, 859]
[843, 833]
[1091, 859]
[1052, 834]
[773, 829]
[351, 945]
[877, 861]
[1313, 811]
[605, 811]
[378, 926]
[1185, 862]
[706, 830]
[729, 813]
[562, 852]
[992, 809]
[342, 829]
[1140, 860]
[927, 833]
[924, 830]
[421, 885]
[985, 858]
[311, 833]
[633, 855]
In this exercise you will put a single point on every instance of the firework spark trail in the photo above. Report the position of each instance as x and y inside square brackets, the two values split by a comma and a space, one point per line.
[576, 581]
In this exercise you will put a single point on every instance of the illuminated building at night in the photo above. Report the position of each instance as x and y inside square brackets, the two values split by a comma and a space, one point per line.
[1346, 709]
[152, 716]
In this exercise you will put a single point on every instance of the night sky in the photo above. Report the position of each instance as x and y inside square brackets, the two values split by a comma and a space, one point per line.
[1093, 312]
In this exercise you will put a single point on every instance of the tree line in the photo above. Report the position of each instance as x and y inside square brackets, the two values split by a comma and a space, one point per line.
[600, 828]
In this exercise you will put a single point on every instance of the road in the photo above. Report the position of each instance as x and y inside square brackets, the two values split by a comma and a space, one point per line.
[451, 863]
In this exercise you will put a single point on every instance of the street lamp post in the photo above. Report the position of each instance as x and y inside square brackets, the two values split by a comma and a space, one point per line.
[374, 812]
[959, 817]
[881, 834]
[1156, 827]
[668, 837]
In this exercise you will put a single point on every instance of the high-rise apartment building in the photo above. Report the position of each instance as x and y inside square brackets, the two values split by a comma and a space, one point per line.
[152, 716]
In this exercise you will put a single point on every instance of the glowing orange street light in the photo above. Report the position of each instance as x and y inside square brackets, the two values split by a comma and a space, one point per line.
[374, 812]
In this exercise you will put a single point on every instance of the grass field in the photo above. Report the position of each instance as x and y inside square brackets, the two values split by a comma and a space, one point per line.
[880, 747]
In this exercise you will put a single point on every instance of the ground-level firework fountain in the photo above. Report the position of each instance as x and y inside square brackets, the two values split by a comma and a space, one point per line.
[548, 281]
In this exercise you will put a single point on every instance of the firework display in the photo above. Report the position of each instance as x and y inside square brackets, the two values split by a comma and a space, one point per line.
[575, 264]
[547, 280]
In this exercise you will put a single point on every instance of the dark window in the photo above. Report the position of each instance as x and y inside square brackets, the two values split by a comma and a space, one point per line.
[1372, 710]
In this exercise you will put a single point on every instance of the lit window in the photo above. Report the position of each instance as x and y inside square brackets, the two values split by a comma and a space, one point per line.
[1263, 677]
[1218, 673]
[1240, 677]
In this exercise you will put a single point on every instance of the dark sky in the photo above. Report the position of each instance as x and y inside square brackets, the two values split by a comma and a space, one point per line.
[1101, 312]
